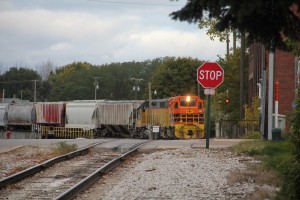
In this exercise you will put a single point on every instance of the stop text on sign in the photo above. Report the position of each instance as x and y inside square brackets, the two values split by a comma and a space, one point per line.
[210, 75]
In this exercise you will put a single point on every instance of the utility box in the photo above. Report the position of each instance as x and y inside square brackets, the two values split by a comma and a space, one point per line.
[281, 122]
[276, 134]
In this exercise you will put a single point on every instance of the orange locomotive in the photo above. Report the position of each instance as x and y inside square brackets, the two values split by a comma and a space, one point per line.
[180, 117]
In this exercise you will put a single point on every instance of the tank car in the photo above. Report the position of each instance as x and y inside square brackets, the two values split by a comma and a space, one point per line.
[21, 116]
[3, 115]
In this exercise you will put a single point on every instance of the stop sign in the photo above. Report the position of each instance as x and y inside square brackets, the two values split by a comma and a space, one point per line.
[210, 75]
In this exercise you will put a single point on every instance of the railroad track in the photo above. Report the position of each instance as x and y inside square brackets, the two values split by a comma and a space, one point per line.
[65, 176]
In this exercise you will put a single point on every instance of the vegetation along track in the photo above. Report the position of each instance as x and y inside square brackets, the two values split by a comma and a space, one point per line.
[65, 178]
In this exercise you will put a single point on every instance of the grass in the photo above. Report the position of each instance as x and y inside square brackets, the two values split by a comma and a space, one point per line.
[273, 156]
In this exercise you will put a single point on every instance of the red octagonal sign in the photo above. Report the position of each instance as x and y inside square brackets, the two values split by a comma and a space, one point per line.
[210, 75]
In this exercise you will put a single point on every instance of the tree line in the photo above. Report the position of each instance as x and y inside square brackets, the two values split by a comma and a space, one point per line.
[169, 76]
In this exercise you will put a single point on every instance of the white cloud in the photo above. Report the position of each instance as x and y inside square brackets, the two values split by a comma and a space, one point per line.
[160, 43]
[61, 47]
[36, 34]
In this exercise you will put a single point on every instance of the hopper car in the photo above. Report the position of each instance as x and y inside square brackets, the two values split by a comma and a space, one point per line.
[180, 117]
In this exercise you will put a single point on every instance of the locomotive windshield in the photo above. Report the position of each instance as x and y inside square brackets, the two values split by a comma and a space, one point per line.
[191, 102]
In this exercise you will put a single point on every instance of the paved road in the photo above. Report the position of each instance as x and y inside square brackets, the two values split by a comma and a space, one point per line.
[6, 145]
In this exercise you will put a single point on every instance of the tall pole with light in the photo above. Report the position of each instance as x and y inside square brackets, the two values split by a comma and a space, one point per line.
[136, 87]
[96, 84]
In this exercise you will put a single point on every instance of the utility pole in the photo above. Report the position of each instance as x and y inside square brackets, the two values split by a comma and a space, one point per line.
[96, 86]
[34, 97]
[242, 75]
[150, 110]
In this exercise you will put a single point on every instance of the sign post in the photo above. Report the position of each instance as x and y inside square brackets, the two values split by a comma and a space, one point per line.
[276, 92]
[210, 75]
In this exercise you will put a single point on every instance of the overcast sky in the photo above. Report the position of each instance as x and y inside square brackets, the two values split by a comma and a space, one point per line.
[98, 32]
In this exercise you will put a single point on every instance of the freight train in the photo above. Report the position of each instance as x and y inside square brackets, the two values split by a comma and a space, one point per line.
[180, 117]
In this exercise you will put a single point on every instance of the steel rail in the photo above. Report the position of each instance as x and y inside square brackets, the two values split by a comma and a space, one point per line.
[37, 168]
[92, 178]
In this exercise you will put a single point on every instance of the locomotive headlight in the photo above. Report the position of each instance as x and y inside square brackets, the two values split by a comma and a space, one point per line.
[188, 98]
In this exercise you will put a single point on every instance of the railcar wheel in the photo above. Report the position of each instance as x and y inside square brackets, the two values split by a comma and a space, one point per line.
[170, 133]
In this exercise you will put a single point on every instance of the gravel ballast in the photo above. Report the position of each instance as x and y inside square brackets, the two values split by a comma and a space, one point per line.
[174, 174]
[190, 173]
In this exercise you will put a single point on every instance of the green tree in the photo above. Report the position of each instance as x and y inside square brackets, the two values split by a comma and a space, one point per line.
[229, 89]
[19, 82]
[76, 80]
[175, 76]
[262, 20]
[213, 33]
[72, 82]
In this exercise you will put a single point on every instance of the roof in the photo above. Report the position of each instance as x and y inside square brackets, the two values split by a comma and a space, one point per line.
[13, 100]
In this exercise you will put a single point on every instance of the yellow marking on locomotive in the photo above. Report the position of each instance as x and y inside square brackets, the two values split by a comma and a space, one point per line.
[189, 131]
[189, 111]
[160, 116]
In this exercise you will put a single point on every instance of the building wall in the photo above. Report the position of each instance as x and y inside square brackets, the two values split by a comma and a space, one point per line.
[284, 73]
[256, 64]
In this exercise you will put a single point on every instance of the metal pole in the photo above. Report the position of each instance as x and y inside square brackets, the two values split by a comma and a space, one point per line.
[270, 94]
[198, 84]
[207, 128]
[95, 93]
[263, 102]
[242, 75]
[3, 95]
[150, 110]
[34, 97]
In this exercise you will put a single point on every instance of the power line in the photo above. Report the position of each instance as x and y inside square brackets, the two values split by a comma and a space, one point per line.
[136, 3]
[11, 82]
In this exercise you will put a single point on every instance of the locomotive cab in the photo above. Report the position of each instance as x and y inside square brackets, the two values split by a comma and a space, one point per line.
[187, 116]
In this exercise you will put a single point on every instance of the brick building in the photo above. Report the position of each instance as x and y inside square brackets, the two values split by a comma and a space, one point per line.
[286, 72]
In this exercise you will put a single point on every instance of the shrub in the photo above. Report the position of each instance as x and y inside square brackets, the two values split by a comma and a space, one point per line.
[291, 168]
[252, 135]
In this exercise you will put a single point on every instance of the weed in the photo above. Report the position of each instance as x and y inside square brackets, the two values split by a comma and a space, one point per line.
[63, 148]
[259, 194]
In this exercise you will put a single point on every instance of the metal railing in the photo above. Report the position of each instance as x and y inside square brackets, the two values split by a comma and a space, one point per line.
[62, 132]
[235, 129]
